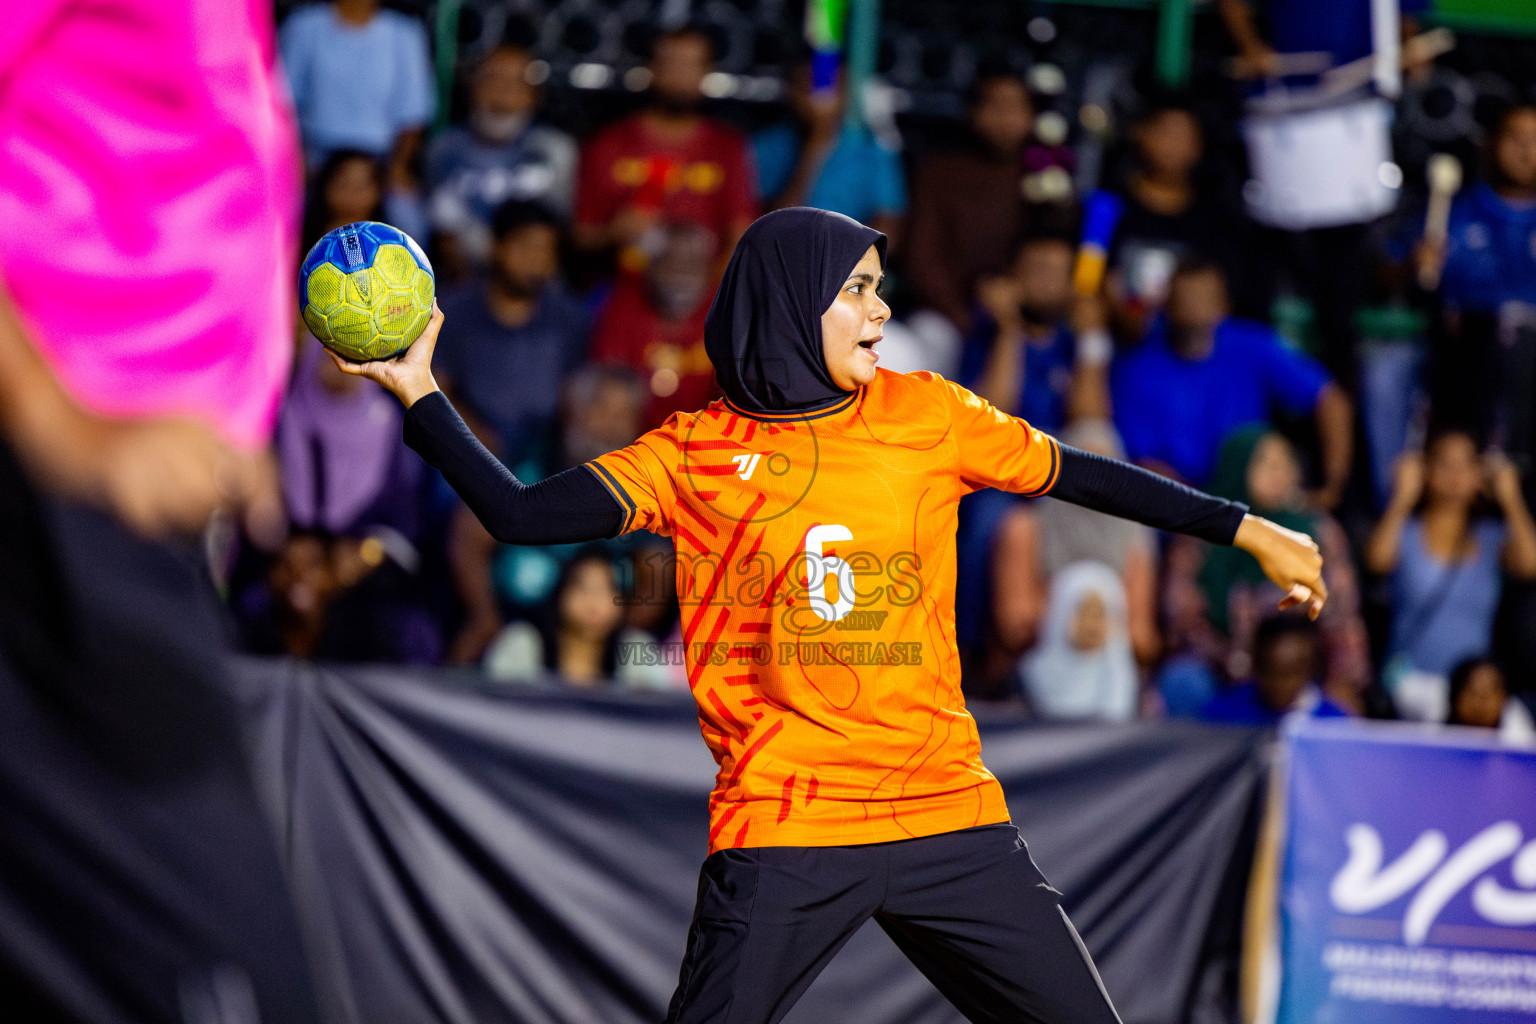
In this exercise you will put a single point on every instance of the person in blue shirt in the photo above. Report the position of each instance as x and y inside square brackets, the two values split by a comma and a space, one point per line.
[1025, 355]
[1339, 28]
[1286, 655]
[815, 161]
[1201, 372]
[1488, 257]
[518, 334]
[361, 78]
[1484, 349]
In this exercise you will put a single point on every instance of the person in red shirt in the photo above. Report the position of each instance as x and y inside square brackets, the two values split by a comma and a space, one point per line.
[665, 164]
[654, 323]
[813, 509]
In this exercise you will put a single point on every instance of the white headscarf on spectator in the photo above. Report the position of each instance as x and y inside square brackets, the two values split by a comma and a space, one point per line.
[1063, 682]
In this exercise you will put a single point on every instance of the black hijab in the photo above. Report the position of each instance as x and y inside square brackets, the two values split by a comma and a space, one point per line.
[763, 331]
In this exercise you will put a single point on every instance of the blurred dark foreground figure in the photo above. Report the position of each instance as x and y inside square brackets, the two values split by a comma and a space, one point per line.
[139, 880]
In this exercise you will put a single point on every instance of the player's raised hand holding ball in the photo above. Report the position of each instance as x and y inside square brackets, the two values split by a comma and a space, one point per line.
[409, 374]
[366, 291]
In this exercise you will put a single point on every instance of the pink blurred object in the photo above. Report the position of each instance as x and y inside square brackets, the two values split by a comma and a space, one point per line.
[149, 200]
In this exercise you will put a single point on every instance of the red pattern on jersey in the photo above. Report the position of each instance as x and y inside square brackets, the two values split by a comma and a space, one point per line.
[834, 718]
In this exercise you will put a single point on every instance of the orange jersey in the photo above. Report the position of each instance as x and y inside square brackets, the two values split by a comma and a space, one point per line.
[816, 577]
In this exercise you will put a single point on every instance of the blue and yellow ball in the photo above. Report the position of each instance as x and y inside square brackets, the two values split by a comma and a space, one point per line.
[365, 290]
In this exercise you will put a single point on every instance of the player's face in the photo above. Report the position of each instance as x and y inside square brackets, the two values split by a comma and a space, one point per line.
[854, 323]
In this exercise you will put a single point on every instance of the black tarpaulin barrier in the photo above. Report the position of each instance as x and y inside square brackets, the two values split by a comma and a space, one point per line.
[474, 854]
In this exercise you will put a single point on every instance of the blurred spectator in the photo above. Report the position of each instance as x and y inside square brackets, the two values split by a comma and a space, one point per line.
[817, 161]
[1339, 29]
[1025, 356]
[1326, 263]
[654, 322]
[600, 411]
[968, 208]
[580, 636]
[348, 187]
[502, 153]
[1083, 667]
[1285, 661]
[361, 77]
[1037, 540]
[1444, 558]
[1480, 698]
[344, 466]
[1217, 596]
[1167, 215]
[289, 615]
[1485, 370]
[330, 598]
[508, 341]
[1487, 258]
[667, 163]
[1221, 373]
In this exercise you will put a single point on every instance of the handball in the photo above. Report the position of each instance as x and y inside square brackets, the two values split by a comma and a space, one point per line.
[365, 290]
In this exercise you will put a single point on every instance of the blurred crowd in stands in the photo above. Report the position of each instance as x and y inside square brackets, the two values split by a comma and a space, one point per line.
[1362, 382]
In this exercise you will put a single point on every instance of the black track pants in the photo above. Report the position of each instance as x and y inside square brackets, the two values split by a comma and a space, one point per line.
[969, 908]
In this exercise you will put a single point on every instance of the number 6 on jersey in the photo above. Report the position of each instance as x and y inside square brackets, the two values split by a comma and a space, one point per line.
[818, 567]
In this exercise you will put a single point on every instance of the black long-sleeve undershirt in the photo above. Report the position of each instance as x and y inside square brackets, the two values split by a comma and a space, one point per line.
[574, 506]
[1130, 492]
[561, 509]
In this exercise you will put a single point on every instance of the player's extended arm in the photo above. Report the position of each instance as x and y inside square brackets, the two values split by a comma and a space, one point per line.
[565, 508]
[1117, 488]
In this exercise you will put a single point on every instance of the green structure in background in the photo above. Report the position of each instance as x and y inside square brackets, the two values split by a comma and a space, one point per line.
[445, 34]
[863, 46]
[1175, 41]
[826, 23]
[1514, 17]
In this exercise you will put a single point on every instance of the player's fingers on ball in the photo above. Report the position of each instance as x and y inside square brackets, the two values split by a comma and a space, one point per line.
[429, 333]
[347, 366]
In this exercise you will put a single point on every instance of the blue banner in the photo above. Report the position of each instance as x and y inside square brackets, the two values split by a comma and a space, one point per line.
[1408, 892]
